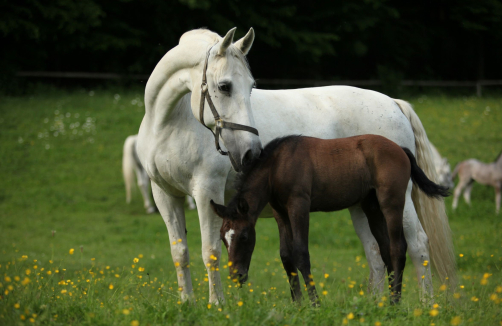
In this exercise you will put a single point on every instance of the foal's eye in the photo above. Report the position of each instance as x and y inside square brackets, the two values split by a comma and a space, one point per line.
[244, 236]
[225, 88]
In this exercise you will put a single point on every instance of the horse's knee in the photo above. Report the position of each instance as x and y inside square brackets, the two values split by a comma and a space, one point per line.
[180, 255]
[211, 257]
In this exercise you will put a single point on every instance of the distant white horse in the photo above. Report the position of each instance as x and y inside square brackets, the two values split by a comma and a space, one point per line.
[443, 169]
[179, 154]
[486, 174]
[130, 166]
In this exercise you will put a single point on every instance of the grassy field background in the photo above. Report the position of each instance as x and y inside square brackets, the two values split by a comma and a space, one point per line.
[72, 251]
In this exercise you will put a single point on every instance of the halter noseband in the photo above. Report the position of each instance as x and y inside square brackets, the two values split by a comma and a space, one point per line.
[220, 124]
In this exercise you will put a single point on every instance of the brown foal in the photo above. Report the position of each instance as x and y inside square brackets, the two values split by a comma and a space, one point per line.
[298, 175]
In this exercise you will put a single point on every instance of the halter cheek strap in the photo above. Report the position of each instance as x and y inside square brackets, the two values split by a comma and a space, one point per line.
[220, 124]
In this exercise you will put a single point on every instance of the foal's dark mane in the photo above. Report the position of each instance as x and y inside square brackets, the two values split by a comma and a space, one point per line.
[266, 153]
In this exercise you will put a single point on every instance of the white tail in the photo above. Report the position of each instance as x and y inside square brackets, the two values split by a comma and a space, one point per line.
[128, 165]
[431, 212]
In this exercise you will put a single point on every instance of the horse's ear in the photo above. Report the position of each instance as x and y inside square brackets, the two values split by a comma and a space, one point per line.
[245, 43]
[243, 206]
[218, 209]
[227, 41]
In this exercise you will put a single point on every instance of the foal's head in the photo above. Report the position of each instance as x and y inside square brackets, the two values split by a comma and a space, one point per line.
[238, 235]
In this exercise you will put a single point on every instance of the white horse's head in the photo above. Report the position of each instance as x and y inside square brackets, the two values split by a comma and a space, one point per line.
[230, 83]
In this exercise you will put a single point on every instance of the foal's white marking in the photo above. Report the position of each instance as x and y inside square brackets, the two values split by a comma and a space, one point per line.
[228, 237]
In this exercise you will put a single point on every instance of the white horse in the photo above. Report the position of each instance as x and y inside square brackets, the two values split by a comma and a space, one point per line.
[486, 174]
[443, 169]
[179, 156]
[130, 166]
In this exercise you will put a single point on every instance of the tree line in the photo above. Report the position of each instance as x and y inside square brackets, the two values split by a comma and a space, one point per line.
[329, 40]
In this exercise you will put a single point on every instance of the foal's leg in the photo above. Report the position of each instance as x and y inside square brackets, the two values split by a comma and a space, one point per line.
[497, 198]
[392, 208]
[287, 255]
[462, 183]
[371, 248]
[172, 210]
[298, 212]
[467, 192]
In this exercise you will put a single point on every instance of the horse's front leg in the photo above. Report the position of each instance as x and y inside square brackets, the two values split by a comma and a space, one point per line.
[172, 210]
[299, 217]
[287, 256]
[376, 265]
[210, 225]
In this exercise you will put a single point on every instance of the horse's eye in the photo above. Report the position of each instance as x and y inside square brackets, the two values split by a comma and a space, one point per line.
[244, 236]
[225, 88]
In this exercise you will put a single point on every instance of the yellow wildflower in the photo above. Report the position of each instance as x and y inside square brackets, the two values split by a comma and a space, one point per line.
[240, 303]
[350, 316]
[434, 312]
[110, 286]
[135, 323]
[72, 251]
[417, 312]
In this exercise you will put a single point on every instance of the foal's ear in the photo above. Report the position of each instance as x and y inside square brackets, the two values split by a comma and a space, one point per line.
[242, 206]
[218, 209]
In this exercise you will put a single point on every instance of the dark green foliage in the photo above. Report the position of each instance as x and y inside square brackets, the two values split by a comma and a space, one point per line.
[337, 39]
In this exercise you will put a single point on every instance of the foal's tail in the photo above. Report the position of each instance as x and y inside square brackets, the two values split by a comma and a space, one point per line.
[431, 212]
[128, 165]
[419, 178]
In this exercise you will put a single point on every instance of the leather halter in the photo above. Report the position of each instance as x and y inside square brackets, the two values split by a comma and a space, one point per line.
[220, 124]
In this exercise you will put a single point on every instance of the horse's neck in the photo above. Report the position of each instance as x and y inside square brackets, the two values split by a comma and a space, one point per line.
[171, 79]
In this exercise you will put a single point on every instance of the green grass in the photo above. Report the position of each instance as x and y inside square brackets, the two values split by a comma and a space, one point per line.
[72, 184]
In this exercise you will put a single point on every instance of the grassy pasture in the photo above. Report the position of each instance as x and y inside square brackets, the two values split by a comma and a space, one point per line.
[108, 263]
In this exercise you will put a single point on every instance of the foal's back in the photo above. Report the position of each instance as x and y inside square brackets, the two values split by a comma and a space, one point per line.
[338, 173]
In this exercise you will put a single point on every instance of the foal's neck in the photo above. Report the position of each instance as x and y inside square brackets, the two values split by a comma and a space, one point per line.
[256, 192]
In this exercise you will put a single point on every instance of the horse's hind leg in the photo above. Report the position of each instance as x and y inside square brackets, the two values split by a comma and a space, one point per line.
[172, 210]
[287, 255]
[144, 187]
[418, 246]
[497, 198]
[371, 248]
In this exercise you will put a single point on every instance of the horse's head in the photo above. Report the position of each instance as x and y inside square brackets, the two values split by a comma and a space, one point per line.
[229, 84]
[238, 234]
